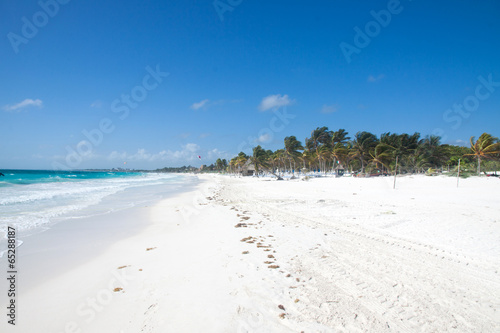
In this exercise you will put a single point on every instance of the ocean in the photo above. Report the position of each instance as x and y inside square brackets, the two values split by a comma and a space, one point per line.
[31, 201]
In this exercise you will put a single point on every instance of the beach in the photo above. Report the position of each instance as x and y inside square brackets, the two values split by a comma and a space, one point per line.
[257, 255]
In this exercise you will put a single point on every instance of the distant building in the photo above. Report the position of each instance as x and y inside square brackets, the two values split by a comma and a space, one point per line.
[248, 169]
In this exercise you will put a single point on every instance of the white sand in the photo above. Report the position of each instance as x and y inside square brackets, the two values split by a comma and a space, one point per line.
[354, 255]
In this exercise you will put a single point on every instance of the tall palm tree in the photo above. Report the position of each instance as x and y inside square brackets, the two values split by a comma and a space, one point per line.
[319, 136]
[340, 152]
[232, 164]
[402, 146]
[219, 165]
[292, 147]
[362, 144]
[485, 147]
[324, 153]
[307, 157]
[381, 155]
[241, 159]
[431, 152]
[259, 159]
[339, 146]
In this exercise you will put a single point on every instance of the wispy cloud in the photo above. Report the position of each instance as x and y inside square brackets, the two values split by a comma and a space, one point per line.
[372, 78]
[264, 138]
[199, 105]
[329, 108]
[206, 103]
[26, 103]
[274, 101]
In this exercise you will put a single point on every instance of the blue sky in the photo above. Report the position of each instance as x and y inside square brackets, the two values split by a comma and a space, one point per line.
[159, 83]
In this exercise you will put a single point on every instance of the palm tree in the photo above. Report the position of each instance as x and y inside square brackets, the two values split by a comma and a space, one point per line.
[340, 136]
[259, 159]
[292, 147]
[339, 146]
[324, 153]
[276, 159]
[340, 153]
[307, 157]
[232, 163]
[241, 159]
[402, 146]
[381, 155]
[362, 144]
[320, 136]
[431, 152]
[485, 147]
[219, 165]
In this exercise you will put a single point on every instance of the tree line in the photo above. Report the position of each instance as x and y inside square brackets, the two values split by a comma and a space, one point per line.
[364, 152]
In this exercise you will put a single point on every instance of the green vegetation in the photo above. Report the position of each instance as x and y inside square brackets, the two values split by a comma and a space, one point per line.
[365, 153]
[182, 169]
[327, 150]
[486, 147]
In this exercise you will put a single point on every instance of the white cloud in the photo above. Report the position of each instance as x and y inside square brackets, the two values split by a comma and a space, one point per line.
[274, 101]
[192, 147]
[206, 103]
[199, 105]
[329, 108]
[372, 78]
[266, 137]
[27, 102]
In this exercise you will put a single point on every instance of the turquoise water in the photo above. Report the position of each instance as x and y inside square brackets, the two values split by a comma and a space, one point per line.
[27, 177]
[33, 200]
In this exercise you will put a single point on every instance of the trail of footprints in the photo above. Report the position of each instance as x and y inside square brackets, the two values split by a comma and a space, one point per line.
[264, 243]
[398, 306]
[350, 284]
[393, 305]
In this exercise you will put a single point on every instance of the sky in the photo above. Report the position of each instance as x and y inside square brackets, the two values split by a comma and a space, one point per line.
[150, 84]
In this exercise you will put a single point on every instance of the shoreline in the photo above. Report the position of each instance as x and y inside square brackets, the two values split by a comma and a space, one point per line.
[69, 240]
[236, 254]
